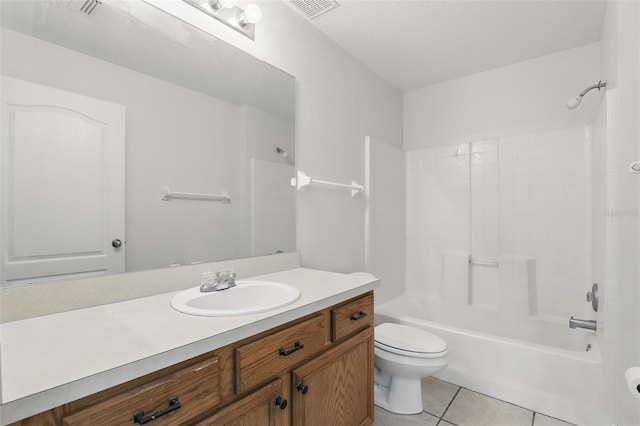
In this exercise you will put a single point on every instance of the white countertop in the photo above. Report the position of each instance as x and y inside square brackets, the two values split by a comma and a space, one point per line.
[50, 360]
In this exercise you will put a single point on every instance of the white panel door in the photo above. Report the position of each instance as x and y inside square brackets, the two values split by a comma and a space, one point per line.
[62, 180]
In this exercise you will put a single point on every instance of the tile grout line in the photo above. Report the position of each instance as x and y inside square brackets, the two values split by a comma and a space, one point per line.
[449, 405]
[533, 417]
[513, 404]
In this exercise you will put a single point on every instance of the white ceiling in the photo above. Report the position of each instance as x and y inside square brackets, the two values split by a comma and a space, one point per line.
[416, 43]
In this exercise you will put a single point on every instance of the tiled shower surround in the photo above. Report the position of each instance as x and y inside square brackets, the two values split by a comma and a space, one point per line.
[519, 207]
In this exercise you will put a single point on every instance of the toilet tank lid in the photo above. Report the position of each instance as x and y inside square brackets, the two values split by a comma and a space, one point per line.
[409, 338]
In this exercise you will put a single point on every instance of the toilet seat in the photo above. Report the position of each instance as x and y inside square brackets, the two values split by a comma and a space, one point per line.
[409, 341]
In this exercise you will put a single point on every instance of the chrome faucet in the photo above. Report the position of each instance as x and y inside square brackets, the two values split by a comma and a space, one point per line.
[222, 281]
[579, 323]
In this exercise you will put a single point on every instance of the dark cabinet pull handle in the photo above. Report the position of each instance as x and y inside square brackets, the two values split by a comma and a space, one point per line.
[281, 402]
[139, 417]
[296, 347]
[302, 388]
[359, 315]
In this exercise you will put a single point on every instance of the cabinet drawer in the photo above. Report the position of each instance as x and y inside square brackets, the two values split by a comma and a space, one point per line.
[351, 317]
[195, 387]
[265, 358]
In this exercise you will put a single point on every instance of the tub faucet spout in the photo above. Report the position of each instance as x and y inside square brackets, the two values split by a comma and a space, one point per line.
[580, 323]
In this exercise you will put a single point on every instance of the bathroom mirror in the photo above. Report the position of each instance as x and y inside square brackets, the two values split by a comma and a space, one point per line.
[201, 117]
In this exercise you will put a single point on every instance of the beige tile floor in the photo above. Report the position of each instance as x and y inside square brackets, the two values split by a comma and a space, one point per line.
[446, 404]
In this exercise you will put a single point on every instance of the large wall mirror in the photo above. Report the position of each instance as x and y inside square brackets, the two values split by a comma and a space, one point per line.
[133, 141]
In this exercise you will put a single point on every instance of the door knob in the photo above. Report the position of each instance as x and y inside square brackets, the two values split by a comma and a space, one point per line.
[116, 243]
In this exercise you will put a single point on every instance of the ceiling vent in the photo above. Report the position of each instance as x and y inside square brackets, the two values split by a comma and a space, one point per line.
[90, 6]
[312, 8]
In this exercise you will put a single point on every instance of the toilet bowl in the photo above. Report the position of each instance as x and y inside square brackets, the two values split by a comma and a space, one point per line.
[403, 357]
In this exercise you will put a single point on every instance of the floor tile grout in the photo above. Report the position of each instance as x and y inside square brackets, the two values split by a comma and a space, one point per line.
[507, 402]
[448, 405]
[498, 399]
[457, 390]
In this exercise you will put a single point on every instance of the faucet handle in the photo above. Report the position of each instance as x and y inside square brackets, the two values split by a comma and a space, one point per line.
[206, 277]
[592, 297]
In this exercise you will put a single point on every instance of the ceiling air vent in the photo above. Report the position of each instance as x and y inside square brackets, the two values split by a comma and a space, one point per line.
[90, 6]
[312, 8]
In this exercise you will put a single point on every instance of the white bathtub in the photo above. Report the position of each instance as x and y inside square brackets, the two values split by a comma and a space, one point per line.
[560, 381]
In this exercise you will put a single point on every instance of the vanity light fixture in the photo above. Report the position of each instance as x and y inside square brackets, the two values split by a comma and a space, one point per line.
[242, 20]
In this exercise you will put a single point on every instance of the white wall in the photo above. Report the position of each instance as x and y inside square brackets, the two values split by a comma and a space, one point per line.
[526, 97]
[338, 103]
[385, 188]
[524, 197]
[621, 318]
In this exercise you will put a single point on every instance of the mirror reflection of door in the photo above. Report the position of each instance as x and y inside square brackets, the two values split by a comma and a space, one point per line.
[62, 164]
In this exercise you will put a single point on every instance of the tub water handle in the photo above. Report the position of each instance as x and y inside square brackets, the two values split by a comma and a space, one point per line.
[592, 296]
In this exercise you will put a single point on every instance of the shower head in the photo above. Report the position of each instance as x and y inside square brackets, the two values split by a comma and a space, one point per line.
[574, 102]
[282, 152]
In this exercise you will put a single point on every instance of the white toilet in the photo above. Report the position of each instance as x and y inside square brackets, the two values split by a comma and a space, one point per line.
[405, 355]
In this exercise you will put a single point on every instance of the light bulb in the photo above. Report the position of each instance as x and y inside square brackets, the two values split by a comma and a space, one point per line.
[228, 4]
[252, 15]
[222, 4]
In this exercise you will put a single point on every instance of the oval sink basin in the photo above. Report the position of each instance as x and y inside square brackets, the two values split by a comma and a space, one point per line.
[247, 297]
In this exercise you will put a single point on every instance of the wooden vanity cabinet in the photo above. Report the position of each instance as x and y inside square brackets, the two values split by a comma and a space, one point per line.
[316, 370]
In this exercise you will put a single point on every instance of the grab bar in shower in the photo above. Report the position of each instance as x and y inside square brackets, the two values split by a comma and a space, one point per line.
[168, 194]
[493, 264]
[301, 181]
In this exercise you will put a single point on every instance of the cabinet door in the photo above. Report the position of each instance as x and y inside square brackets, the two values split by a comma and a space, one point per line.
[337, 387]
[265, 407]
